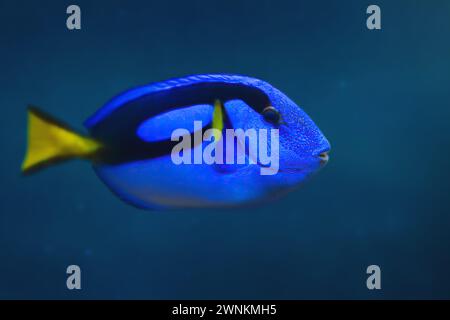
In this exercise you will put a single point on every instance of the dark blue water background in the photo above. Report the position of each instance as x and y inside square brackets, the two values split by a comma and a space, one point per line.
[381, 97]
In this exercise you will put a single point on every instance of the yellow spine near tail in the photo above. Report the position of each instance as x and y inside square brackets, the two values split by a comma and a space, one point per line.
[50, 141]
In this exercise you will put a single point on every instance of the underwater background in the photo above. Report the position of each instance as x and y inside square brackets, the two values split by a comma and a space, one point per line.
[382, 98]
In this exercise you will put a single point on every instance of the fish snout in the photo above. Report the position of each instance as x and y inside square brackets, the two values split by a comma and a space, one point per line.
[323, 157]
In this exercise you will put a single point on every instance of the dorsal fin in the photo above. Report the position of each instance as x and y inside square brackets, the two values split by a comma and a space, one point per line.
[171, 84]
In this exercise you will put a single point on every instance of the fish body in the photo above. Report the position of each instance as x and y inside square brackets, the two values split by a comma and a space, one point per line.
[131, 143]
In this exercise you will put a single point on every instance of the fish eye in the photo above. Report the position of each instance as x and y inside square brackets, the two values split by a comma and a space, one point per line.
[271, 115]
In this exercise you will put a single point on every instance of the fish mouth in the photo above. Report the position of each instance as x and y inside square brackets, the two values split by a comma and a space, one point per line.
[323, 157]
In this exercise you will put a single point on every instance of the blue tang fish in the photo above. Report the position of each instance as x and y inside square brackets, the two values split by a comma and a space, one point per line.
[131, 143]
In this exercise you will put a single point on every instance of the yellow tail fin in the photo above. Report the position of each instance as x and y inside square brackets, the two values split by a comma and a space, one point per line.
[50, 141]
